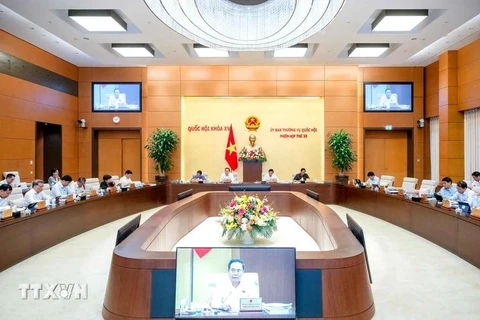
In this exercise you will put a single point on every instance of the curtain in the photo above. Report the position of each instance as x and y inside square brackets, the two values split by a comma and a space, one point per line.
[472, 142]
[434, 149]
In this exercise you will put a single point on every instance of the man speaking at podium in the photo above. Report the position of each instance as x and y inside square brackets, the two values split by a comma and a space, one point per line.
[227, 295]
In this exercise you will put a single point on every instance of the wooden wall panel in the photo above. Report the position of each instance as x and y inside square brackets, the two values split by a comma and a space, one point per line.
[300, 73]
[431, 90]
[23, 103]
[207, 73]
[337, 73]
[23, 50]
[204, 88]
[252, 88]
[255, 73]
[341, 88]
[163, 73]
[300, 88]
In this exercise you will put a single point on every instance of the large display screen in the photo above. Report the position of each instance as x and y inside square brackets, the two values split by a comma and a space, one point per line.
[235, 282]
[117, 97]
[388, 97]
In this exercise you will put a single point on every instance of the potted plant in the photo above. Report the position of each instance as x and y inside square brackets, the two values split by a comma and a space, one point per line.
[343, 157]
[160, 145]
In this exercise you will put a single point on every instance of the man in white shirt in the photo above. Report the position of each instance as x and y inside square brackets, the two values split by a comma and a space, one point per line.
[117, 99]
[388, 99]
[372, 179]
[61, 189]
[35, 194]
[227, 176]
[476, 198]
[463, 193]
[125, 181]
[476, 179]
[8, 180]
[447, 191]
[5, 191]
[78, 187]
[270, 177]
[227, 295]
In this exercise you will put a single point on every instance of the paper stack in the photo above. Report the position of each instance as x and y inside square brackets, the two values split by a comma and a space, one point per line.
[277, 308]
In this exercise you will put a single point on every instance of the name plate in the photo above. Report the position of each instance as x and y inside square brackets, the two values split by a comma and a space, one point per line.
[446, 203]
[132, 186]
[251, 304]
[41, 204]
[93, 193]
[69, 198]
[112, 190]
[476, 212]
[7, 213]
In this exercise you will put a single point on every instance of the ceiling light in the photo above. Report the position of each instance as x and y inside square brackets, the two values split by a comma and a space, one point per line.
[398, 20]
[367, 50]
[98, 20]
[205, 52]
[246, 25]
[296, 51]
[134, 50]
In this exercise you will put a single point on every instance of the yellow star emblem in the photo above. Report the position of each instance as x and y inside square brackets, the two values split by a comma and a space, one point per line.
[232, 148]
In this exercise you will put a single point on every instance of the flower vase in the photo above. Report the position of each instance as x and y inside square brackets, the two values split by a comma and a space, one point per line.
[247, 238]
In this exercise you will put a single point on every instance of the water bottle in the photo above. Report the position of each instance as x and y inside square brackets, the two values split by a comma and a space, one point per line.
[182, 306]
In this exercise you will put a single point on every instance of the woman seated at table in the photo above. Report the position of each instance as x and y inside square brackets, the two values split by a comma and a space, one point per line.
[54, 177]
[107, 180]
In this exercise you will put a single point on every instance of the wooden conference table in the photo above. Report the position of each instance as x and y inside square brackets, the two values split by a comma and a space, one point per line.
[459, 235]
[21, 238]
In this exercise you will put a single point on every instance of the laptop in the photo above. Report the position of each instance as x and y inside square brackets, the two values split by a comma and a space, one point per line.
[464, 206]
[438, 197]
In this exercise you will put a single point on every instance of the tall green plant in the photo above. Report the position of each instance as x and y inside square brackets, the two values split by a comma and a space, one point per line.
[340, 146]
[160, 145]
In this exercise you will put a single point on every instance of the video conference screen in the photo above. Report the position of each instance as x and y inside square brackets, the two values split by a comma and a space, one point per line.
[228, 282]
[117, 97]
[388, 97]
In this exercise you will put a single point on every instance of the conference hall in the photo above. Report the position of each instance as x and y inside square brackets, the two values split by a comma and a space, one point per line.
[239, 159]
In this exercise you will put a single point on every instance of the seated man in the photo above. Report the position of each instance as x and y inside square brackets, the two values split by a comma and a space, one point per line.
[302, 176]
[125, 181]
[270, 177]
[61, 189]
[372, 179]
[476, 179]
[5, 191]
[475, 199]
[79, 186]
[447, 190]
[388, 99]
[105, 184]
[463, 193]
[117, 99]
[35, 194]
[198, 177]
[227, 176]
[8, 180]
[227, 295]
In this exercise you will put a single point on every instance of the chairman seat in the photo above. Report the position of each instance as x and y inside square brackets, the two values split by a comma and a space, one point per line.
[427, 186]
[409, 183]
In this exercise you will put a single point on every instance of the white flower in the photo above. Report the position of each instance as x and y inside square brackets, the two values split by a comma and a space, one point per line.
[244, 227]
[244, 220]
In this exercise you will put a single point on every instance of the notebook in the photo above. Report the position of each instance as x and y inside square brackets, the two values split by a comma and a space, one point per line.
[464, 206]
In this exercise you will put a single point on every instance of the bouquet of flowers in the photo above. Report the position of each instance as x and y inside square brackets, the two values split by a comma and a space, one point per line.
[256, 154]
[248, 213]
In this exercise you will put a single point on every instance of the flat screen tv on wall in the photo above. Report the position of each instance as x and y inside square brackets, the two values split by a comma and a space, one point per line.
[116, 97]
[388, 97]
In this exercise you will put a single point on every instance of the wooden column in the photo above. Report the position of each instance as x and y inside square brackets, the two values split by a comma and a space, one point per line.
[451, 120]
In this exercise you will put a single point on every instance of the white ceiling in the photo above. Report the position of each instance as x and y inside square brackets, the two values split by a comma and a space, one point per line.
[45, 24]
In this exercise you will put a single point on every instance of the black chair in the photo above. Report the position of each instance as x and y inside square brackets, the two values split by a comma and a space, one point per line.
[358, 233]
[184, 194]
[252, 187]
[313, 194]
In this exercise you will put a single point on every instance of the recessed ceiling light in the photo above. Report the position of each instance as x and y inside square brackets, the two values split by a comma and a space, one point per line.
[98, 20]
[206, 52]
[398, 20]
[134, 50]
[367, 50]
[296, 51]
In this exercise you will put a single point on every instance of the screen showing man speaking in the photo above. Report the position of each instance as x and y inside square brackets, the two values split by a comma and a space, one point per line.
[117, 97]
[224, 282]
